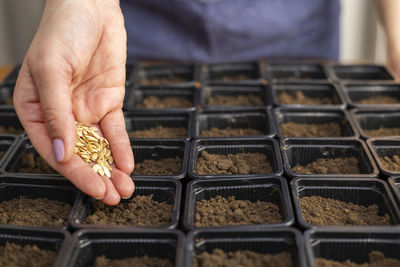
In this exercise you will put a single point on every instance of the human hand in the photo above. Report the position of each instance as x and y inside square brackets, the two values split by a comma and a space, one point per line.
[73, 71]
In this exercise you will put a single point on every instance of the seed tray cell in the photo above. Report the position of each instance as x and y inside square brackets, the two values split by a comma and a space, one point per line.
[129, 69]
[312, 90]
[372, 119]
[116, 244]
[302, 71]
[266, 146]
[6, 96]
[158, 150]
[354, 93]
[363, 192]
[7, 144]
[165, 74]
[163, 191]
[383, 147]
[243, 72]
[10, 119]
[260, 119]
[304, 151]
[394, 183]
[142, 120]
[270, 189]
[359, 72]
[232, 90]
[136, 95]
[353, 245]
[260, 240]
[315, 116]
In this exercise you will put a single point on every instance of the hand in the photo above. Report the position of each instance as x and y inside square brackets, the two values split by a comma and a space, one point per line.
[73, 71]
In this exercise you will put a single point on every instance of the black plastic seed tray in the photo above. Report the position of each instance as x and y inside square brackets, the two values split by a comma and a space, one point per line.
[384, 147]
[353, 245]
[295, 71]
[158, 150]
[129, 69]
[136, 96]
[312, 90]
[394, 183]
[87, 245]
[374, 119]
[163, 190]
[355, 94]
[158, 75]
[10, 119]
[7, 144]
[136, 121]
[13, 163]
[363, 192]
[242, 72]
[266, 146]
[12, 75]
[13, 187]
[55, 240]
[6, 96]
[304, 151]
[260, 240]
[315, 116]
[260, 119]
[269, 188]
[233, 90]
[360, 72]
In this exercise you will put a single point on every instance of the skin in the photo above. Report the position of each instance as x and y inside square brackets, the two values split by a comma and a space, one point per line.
[73, 71]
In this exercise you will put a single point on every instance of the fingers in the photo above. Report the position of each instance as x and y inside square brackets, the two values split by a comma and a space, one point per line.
[123, 183]
[113, 129]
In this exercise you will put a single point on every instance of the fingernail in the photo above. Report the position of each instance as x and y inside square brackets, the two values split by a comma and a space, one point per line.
[58, 148]
[127, 197]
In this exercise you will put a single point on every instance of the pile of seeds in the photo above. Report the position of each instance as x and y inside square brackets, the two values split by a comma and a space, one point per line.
[91, 147]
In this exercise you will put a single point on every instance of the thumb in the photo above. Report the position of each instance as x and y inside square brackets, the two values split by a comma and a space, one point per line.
[53, 84]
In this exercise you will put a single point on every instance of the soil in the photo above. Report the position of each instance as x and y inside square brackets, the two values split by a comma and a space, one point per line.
[2, 153]
[230, 132]
[376, 259]
[300, 99]
[10, 130]
[243, 258]
[162, 80]
[14, 255]
[378, 100]
[144, 261]
[292, 129]
[165, 102]
[327, 211]
[159, 132]
[139, 210]
[247, 100]
[34, 164]
[34, 212]
[221, 211]
[233, 77]
[348, 165]
[9, 102]
[391, 163]
[240, 163]
[383, 131]
[168, 166]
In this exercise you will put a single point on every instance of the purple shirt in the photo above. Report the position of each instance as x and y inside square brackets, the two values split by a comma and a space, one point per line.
[231, 30]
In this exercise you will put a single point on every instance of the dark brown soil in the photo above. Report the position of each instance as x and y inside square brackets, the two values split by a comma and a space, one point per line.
[221, 211]
[10, 130]
[139, 210]
[233, 77]
[378, 100]
[292, 129]
[391, 163]
[9, 102]
[34, 164]
[247, 100]
[162, 80]
[327, 211]
[242, 258]
[2, 153]
[241, 163]
[168, 166]
[144, 261]
[348, 165]
[34, 212]
[382, 131]
[376, 259]
[159, 132]
[230, 132]
[165, 102]
[300, 99]
[14, 255]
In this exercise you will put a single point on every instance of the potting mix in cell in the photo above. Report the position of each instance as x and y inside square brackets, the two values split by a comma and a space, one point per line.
[218, 125]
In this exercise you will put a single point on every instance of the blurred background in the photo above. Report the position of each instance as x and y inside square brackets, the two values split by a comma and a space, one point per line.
[362, 38]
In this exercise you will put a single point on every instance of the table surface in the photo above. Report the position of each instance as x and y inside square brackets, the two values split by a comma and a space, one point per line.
[4, 70]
